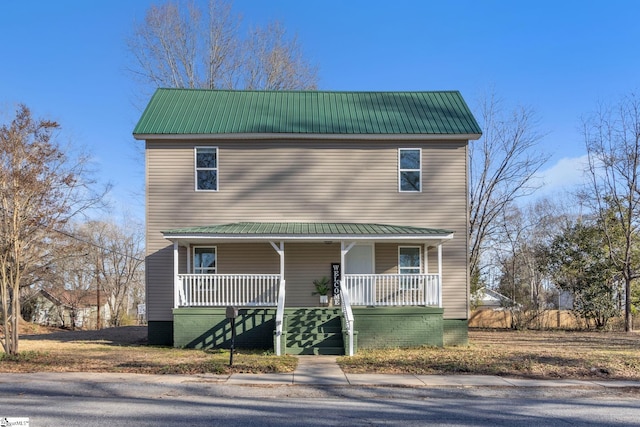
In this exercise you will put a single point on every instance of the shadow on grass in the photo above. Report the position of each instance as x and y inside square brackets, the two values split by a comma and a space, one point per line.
[124, 335]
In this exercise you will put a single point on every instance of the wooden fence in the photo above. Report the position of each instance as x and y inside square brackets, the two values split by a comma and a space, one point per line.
[548, 319]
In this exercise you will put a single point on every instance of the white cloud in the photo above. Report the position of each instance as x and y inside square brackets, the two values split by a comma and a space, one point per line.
[563, 176]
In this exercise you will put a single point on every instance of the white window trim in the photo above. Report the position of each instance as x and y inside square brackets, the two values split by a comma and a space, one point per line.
[400, 170]
[196, 169]
[193, 258]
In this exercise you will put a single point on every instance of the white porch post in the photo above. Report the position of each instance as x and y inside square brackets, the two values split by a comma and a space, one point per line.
[280, 250]
[440, 275]
[281, 297]
[425, 250]
[176, 280]
[343, 255]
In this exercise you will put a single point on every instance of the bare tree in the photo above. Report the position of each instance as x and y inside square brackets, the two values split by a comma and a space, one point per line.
[520, 249]
[69, 280]
[116, 260]
[188, 45]
[612, 138]
[502, 168]
[273, 61]
[41, 188]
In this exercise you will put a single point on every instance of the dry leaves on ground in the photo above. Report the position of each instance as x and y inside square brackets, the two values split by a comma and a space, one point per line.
[124, 350]
[527, 354]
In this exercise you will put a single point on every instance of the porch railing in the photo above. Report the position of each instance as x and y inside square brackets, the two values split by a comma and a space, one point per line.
[213, 290]
[394, 289]
[280, 318]
[349, 320]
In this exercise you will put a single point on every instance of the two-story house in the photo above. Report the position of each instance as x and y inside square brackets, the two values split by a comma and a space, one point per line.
[253, 195]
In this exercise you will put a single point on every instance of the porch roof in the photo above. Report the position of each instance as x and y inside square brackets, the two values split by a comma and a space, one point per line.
[320, 231]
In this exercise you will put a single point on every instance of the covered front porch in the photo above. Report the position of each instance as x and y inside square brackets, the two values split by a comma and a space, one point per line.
[267, 270]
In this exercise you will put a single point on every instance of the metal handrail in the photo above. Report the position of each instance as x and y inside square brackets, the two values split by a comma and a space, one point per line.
[280, 317]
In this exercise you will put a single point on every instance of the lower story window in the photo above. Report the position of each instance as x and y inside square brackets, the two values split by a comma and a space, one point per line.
[409, 263]
[204, 260]
[409, 260]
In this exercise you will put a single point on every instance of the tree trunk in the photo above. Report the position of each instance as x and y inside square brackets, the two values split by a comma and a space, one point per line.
[628, 317]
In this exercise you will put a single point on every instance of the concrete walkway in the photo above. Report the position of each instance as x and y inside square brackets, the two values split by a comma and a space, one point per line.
[315, 370]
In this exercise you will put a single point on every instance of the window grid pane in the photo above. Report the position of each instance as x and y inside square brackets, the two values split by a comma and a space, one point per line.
[410, 159]
[206, 158]
[207, 180]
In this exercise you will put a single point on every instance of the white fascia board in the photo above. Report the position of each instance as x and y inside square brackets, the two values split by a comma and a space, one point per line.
[299, 136]
[306, 238]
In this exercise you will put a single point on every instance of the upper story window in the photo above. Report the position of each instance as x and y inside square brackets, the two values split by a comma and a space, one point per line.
[204, 260]
[410, 169]
[207, 168]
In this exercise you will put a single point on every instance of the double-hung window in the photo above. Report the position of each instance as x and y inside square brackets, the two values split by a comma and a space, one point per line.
[206, 159]
[204, 260]
[409, 262]
[410, 169]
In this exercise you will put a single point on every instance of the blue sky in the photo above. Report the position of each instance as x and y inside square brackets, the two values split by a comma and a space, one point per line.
[66, 60]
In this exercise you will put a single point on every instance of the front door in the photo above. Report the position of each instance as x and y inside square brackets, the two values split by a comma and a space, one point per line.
[359, 260]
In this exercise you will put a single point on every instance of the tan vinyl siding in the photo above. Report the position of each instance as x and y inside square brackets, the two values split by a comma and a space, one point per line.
[386, 258]
[255, 258]
[330, 181]
[305, 262]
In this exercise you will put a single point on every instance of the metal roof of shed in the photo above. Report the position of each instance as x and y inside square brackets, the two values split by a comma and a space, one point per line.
[210, 112]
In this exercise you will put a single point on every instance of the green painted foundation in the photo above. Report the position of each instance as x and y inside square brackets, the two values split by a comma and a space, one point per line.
[456, 332]
[385, 327]
[160, 333]
[310, 331]
[208, 328]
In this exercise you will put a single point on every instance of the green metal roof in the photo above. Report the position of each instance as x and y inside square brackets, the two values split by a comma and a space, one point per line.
[304, 229]
[199, 111]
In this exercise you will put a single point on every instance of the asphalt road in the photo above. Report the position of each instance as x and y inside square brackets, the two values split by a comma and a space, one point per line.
[51, 403]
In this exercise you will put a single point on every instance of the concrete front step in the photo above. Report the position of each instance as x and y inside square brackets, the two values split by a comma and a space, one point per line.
[314, 338]
[315, 350]
[313, 331]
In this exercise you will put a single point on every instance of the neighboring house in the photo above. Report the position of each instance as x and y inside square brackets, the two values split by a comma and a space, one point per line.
[253, 195]
[489, 299]
[69, 309]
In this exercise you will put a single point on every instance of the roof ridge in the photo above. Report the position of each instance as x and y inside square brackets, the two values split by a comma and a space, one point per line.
[305, 90]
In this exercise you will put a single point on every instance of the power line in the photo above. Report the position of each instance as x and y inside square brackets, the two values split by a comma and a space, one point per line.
[64, 233]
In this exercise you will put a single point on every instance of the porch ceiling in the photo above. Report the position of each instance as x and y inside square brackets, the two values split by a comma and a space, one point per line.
[307, 231]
